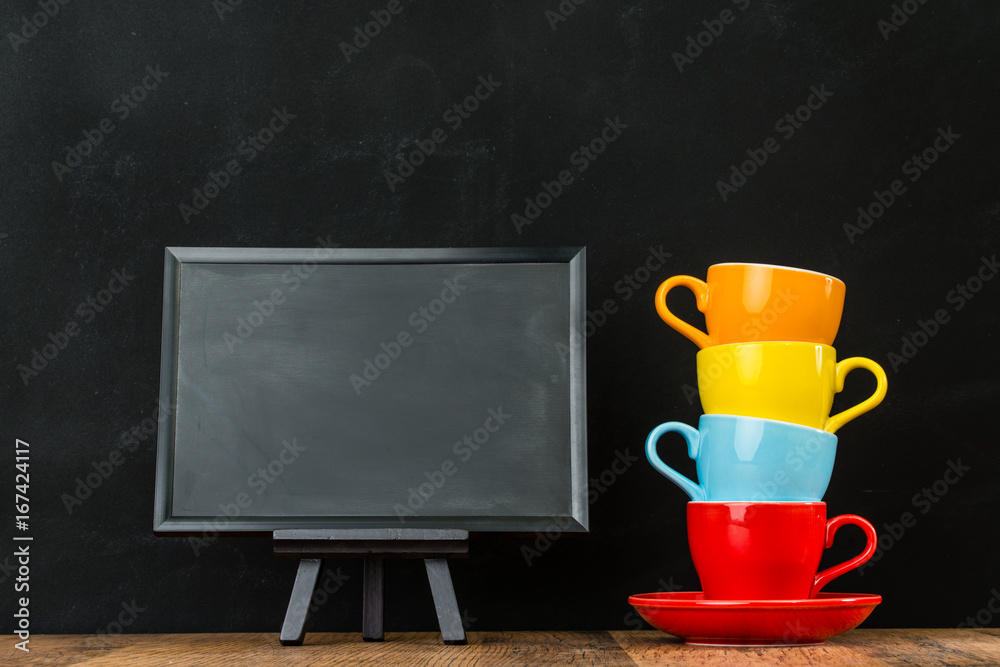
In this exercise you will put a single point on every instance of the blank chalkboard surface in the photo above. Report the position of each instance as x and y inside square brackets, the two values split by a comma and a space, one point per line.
[372, 388]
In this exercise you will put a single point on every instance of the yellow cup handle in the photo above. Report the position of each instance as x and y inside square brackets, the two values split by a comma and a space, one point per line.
[843, 368]
[700, 289]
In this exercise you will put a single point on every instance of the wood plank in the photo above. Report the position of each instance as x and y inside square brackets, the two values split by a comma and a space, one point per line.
[418, 648]
[990, 631]
[928, 646]
[858, 647]
[540, 648]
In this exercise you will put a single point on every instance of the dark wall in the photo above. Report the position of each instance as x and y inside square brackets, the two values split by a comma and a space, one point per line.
[223, 75]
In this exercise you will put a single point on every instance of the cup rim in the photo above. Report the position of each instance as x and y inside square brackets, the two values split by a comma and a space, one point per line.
[782, 267]
[787, 503]
[796, 343]
[791, 425]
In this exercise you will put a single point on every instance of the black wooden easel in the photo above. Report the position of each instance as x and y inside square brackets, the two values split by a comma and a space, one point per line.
[374, 545]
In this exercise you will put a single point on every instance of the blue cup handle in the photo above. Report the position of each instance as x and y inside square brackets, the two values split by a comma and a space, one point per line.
[690, 434]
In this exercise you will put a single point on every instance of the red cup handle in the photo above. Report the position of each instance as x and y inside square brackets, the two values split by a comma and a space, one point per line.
[824, 577]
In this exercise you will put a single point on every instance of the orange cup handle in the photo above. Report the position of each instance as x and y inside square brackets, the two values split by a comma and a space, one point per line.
[824, 577]
[700, 289]
[843, 368]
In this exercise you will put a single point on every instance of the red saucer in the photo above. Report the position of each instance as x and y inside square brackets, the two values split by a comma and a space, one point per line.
[694, 619]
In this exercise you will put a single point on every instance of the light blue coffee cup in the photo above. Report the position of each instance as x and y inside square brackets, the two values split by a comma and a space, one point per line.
[750, 459]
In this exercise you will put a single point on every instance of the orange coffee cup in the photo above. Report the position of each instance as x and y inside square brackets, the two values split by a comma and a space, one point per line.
[759, 302]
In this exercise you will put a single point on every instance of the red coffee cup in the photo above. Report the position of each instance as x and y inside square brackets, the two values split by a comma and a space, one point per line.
[768, 550]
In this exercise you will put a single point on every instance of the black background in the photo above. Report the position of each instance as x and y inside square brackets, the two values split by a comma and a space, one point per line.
[655, 185]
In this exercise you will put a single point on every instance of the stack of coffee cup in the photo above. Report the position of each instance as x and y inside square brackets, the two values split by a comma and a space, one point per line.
[765, 446]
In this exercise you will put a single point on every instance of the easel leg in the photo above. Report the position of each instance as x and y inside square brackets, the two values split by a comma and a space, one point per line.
[374, 607]
[293, 631]
[445, 603]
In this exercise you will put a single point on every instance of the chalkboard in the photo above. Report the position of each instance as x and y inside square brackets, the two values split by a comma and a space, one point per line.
[333, 387]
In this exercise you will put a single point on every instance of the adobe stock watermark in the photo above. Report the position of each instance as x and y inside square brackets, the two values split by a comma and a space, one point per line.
[8, 568]
[122, 107]
[924, 500]
[915, 167]
[796, 630]
[787, 125]
[958, 297]
[31, 25]
[464, 449]
[333, 581]
[264, 308]
[248, 150]
[627, 286]
[901, 13]
[709, 374]
[757, 326]
[454, 117]
[563, 11]
[633, 621]
[794, 462]
[363, 35]
[126, 617]
[129, 441]
[86, 312]
[420, 320]
[22, 584]
[598, 486]
[984, 616]
[580, 160]
[714, 28]
[223, 7]
[258, 481]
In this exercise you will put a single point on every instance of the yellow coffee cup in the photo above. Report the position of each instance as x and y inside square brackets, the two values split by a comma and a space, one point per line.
[786, 381]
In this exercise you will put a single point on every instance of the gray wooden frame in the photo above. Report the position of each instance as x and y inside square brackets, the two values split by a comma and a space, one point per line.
[578, 521]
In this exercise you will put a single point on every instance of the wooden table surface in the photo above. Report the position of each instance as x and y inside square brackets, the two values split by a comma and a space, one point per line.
[860, 647]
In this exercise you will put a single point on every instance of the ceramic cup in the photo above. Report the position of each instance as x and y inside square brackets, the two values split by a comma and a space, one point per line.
[759, 302]
[745, 458]
[767, 551]
[790, 382]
